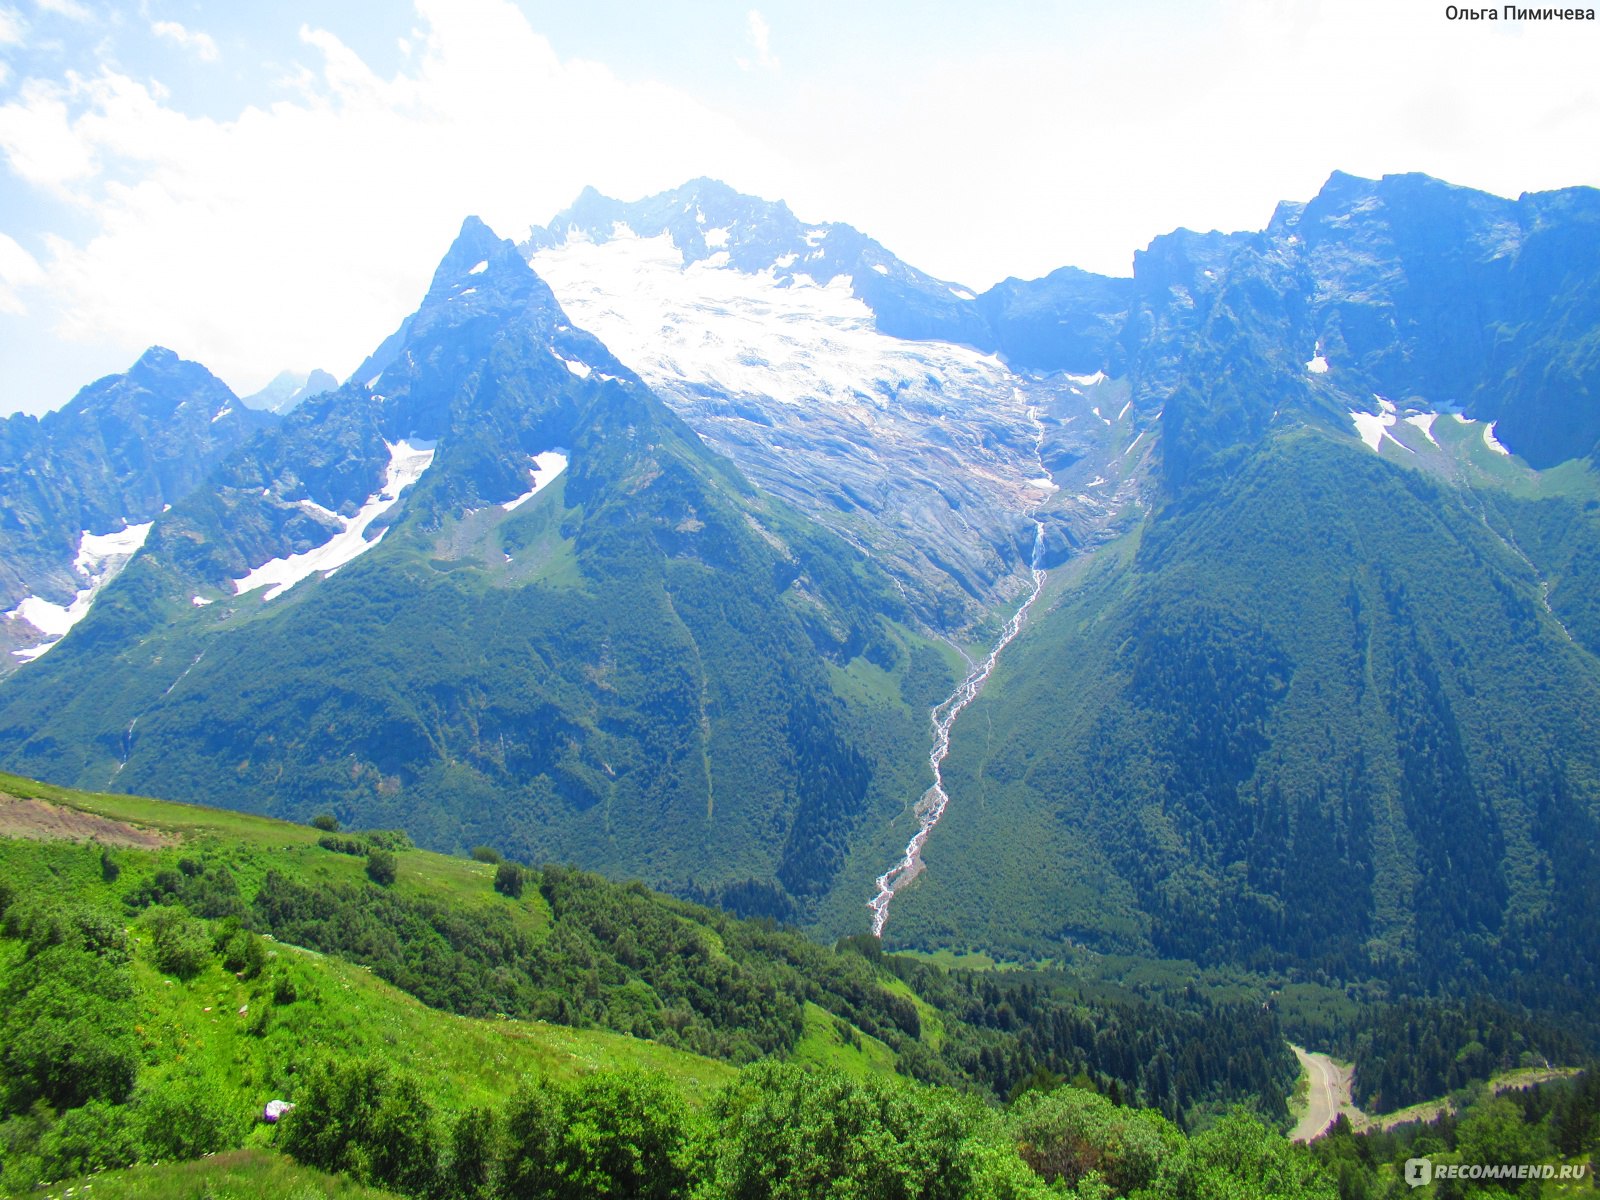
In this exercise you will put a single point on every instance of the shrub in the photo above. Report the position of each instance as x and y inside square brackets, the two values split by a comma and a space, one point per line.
[344, 845]
[485, 854]
[470, 1171]
[508, 880]
[1070, 1133]
[242, 952]
[66, 1032]
[326, 822]
[788, 1133]
[96, 1137]
[182, 1118]
[613, 1133]
[284, 990]
[362, 1118]
[381, 868]
[180, 945]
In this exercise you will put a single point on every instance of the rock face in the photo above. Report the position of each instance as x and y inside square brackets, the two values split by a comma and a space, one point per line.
[113, 458]
[1402, 290]
[858, 388]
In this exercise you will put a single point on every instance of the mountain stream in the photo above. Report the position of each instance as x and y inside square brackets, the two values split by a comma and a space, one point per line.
[930, 808]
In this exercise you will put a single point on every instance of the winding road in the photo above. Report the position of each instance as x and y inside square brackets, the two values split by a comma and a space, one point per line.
[1329, 1095]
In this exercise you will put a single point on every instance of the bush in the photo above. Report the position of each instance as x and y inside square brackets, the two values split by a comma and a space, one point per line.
[326, 822]
[1241, 1156]
[344, 845]
[284, 990]
[470, 1172]
[181, 1118]
[485, 854]
[381, 868]
[181, 946]
[362, 1118]
[508, 880]
[96, 1137]
[613, 1133]
[1070, 1133]
[242, 952]
[532, 1127]
[788, 1133]
[66, 1033]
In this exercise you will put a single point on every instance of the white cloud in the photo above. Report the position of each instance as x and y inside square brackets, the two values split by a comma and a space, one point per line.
[302, 232]
[190, 39]
[37, 137]
[761, 43]
[1017, 162]
[10, 29]
[64, 8]
[18, 269]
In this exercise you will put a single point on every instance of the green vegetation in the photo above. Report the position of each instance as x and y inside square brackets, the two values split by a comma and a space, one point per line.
[633, 671]
[251, 1174]
[1551, 1126]
[1311, 725]
[233, 960]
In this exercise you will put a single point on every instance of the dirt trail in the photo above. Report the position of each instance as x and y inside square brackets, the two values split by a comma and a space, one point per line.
[43, 821]
[1329, 1095]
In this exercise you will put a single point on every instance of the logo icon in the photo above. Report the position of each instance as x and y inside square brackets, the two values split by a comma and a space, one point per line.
[1419, 1172]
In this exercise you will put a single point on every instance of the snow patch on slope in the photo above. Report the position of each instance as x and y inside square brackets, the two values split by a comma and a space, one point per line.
[1424, 422]
[1373, 428]
[408, 459]
[546, 466]
[1491, 441]
[580, 369]
[100, 559]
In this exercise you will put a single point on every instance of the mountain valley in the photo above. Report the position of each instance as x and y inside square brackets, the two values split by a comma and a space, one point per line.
[1220, 635]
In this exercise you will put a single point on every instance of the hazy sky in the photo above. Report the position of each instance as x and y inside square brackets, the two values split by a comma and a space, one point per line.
[269, 185]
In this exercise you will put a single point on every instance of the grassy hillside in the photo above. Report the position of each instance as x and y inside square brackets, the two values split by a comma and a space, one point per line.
[166, 970]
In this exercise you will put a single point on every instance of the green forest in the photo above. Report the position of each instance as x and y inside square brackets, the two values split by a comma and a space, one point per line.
[466, 1026]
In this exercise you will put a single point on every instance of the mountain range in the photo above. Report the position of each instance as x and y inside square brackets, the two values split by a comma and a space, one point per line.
[649, 543]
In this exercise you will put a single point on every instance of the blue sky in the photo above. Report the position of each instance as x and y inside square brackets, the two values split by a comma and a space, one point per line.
[269, 185]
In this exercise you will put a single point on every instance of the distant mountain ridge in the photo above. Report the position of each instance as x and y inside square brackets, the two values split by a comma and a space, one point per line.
[111, 459]
[1324, 495]
[289, 388]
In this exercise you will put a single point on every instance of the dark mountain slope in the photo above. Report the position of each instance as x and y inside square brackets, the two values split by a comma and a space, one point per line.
[1321, 715]
[627, 668]
[1318, 719]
